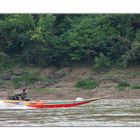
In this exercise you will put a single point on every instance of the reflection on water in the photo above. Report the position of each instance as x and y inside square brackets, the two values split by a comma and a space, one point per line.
[123, 112]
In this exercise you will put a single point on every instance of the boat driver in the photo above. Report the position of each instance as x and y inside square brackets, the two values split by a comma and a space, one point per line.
[22, 96]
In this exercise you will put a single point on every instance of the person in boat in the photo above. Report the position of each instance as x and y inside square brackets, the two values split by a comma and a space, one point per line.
[22, 96]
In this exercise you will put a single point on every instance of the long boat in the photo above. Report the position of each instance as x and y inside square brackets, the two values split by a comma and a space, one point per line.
[12, 104]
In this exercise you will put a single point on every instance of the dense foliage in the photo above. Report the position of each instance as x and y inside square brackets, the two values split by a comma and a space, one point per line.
[87, 84]
[65, 39]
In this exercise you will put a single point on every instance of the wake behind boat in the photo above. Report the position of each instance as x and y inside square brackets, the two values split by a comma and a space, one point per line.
[13, 104]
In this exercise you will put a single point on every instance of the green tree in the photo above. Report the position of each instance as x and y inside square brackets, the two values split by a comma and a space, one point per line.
[15, 33]
[132, 56]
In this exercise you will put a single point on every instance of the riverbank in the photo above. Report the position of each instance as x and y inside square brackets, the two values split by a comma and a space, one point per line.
[64, 84]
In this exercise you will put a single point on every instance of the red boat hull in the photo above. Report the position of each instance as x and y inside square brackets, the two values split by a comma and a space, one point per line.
[61, 105]
[44, 104]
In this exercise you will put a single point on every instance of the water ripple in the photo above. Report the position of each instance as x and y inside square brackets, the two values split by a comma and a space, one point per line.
[124, 112]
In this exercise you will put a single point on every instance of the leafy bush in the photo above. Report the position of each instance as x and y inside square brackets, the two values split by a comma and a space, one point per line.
[26, 79]
[1, 82]
[135, 86]
[120, 88]
[122, 85]
[18, 84]
[102, 63]
[31, 78]
[87, 84]
[47, 81]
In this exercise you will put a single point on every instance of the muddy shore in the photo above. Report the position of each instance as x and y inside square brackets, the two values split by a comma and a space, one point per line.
[65, 88]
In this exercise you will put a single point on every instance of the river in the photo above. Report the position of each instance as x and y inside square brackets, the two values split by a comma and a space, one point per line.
[108, 112]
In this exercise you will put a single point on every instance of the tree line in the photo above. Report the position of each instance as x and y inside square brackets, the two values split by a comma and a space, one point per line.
[103, 40]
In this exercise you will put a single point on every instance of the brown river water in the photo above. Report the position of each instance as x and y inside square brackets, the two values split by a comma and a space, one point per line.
[108, 112]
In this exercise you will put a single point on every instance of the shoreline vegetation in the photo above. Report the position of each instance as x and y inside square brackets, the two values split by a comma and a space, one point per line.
[65, 56]
[71, 82]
